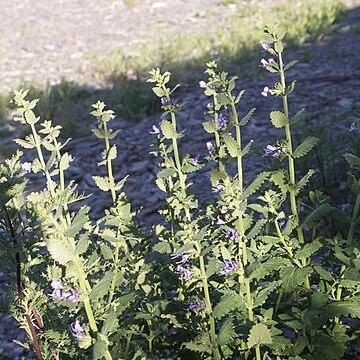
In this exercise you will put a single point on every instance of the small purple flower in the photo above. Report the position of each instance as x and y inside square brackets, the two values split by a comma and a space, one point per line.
[273, 151]
[70, 296]
[264, 62]
[210, 147]
[156, 130]
[195, 306]
[164, 101]
[202, 84]
[183, 258]
[345, 207]
[60, 294]
[266, 92]
[232, 234]
[282, 223]
[219, 221]
[265, 46]
[217, 188]
[196, 160]
[228, 267]
[27, 167]
[184, 272]
[77, 330]
[271, 61]
[353, 127]
[221, 122]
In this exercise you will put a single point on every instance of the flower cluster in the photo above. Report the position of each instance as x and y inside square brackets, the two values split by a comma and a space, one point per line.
[77, 330]
[182, 267]
[228, 267]
[271, 150]
[232, 234]
[195, 305]
[61, 294]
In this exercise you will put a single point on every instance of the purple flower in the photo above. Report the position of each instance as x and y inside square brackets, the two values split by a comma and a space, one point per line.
[228, 267]
[282, 223]
[345, 207]
[195, 161]
[273, 151]
[60, 294]
[221, 122]
[202, 84]
[271, 61]
[26, 166]
[156, 130]
[232, 234]
[265, 46]
[264, 62]
[266, 92]
[184, 272]
[77, 330]
[210, 147]
[217, 188]
[353, 127]
[219, 221]
[183, 258]
[195, 305]
[164, 101]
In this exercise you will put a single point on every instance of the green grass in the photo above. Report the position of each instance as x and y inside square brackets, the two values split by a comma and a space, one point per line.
[234, 42]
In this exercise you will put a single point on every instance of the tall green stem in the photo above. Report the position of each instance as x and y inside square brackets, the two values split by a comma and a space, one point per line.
[353, 221]
[109, 164]
[208, 305]
[292, 175]
[217, 136]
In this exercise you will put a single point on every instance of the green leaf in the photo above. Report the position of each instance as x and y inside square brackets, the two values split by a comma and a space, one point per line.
[268, 267]
[230, 300]
[346, 308]
[292, 277]
[247, 148]
[231, 145]
[30, 117]
[305, 147]
[162, 247]
[223, 99]
[216, 176]
[61, 249]
[101, 347]
[318, 213]
[99, 133]
[200, 344]
[238, 98]
[308, 250]
[103, 183]
[255, 185]
[297, 117]
[83, 244]
[80, 219]
[64, 162]
[110, 323]
[112, 153]
[247, 117]
[290, 64]
[123, 302]
[119, 185]
[278, 119]
[102, 287]
[168, 130]
[325, 275]
[226, 333]
[352, 159]
[165, 173]
[209, 127]
[158, 91]
[262, 295]
[161, 184]
[259, 335]
[213, 267]
[279, 46]
[25, 144]
[304, 180]
[291, 87]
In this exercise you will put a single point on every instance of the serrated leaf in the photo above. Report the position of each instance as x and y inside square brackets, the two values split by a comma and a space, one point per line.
[226, 333]
[304, 180]
[259, 335]
[352, 159]
[165, 173]
[168, 130]
[229, 301]
[102, 287]
[209, 127]
[112, 153]
[262, 295]
[255, 185]
[110, 323]
[231, 145]
[247, 117]
[119, 185]
[247, 148]
[292, 277]
[297, 117]
[291, 87]
[83, 244]
[99, 133]
[268, 267]
[101, 347]
[255, 230]
[305, 147]
[308, 250]
[64, 162]
[25, 144]
[161, 184]
[317, 214]
[123, 302]
[158, 91]
[80, 219]
[102, 183]
[345, 308]
[200, 344]
[162, 247]
[30, 117]
[213, 267]
[278, 119]
[238, 98]
[106, 251]
[61, 249]
[223, 99]
[290, 64]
